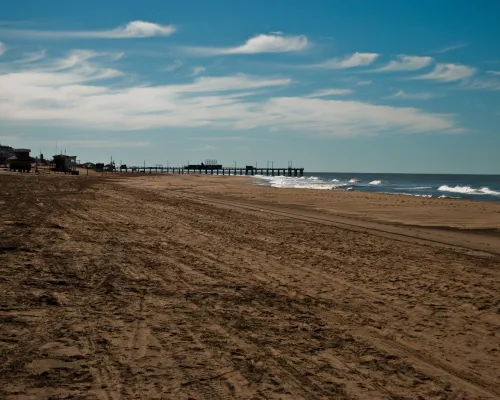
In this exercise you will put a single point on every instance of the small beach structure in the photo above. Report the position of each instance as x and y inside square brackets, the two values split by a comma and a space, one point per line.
[99, 167]
[64, 163]
[20, 161]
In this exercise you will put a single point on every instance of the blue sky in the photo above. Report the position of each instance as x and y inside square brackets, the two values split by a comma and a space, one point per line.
[365, 86]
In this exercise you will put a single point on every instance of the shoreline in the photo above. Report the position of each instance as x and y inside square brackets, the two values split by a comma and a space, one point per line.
[371, 206]
[387, 184]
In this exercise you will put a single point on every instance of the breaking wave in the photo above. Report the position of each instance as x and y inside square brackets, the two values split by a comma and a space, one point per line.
[311, 182]
[468, 190]
[426, 188]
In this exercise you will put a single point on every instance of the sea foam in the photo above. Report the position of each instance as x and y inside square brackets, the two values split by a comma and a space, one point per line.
[468, 190]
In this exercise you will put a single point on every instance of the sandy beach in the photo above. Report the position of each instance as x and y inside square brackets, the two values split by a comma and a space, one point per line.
[201, 287]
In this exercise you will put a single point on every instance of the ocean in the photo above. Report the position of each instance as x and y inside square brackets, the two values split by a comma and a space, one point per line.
[474, 187]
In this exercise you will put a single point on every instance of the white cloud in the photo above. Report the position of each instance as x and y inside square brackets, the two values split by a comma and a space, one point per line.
[363, 83]
[273, 43]
[2, 48]
[75, 92]
[352, 61]
[494, 72]
[134, 29]
[220, 138]
[205, 148]
[483, 84]
[450, 48]
[448, 73]
[414, 96]
[198, 70]
[172, 67]
[31, 57]
[100, 143]
[80, 59]
[406, 63]
[330, 92]
[228, 83]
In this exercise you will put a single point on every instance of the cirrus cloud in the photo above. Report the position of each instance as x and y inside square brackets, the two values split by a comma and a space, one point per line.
[134, 29]
[352, 61]
[448, 73]
[329, 92]
[272, 43]
[413, 96]
[406, 63]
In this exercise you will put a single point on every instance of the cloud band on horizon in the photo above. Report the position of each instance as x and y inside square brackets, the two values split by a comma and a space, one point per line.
[78, 91]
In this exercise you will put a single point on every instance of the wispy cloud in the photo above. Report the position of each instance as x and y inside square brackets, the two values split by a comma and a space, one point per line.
[2, 48]
[272, 43]
[198, 70]
[494, 72]
[81, 58]
[207, 148]
[31, 57]
[134, 29]
[448, 73]
[220, 138]
[102, 143]
[329, 92]
[414, 96]
[363, 83]
[229, 83]
[483, 84]
[406, 63]
[352, 61]
[172, 67]
[75, 91]
[450, 48]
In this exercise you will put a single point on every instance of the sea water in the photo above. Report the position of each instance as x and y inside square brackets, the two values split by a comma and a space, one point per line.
[477, 187]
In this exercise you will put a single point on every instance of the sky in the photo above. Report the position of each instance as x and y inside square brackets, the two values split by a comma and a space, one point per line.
[341, 86]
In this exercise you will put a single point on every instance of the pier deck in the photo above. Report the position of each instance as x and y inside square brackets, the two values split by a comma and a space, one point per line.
[298, 172]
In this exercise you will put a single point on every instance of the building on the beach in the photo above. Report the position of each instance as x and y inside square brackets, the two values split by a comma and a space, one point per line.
[63, 163]
[20, 161]
[99, 167]
[88, 165]
[5, 153]
[110, 167]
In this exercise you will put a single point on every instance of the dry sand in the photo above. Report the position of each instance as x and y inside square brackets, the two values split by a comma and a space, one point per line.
[195, 287]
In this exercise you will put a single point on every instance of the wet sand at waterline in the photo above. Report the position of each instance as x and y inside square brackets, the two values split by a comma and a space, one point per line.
[195, 287]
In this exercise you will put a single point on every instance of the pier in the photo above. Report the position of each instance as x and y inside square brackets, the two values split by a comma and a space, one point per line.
[215, 170]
